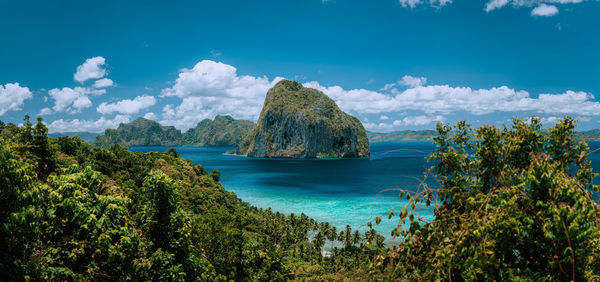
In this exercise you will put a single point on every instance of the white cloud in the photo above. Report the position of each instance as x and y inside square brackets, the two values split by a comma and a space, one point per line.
[150, 116]
[45, 111]
[103, 83]
[495, 4]
[544, 10]
[12, 97]
[379, 127]
[127, 106]
[414, 3]
[409, 121]
[212, 88]
[541, 7]
[77, 125]
[410, 3]
[388, 86]
[384, 117]
[440, 3]
[92, 68]
[73, 100]
[445, 99]
[418, 120]
[412, 81]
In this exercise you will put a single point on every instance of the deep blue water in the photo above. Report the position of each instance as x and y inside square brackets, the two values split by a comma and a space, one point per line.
[340, 191]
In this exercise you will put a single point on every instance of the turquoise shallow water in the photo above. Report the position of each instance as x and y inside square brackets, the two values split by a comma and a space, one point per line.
[346, 191]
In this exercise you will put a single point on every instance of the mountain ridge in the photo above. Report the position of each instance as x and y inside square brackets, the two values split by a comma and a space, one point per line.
[222, 131]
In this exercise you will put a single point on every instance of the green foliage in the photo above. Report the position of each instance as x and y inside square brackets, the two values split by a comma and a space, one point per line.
[515, 204]
[16, 180]
[161, 203]
[173, 152]
[42, 149]
[74, 212]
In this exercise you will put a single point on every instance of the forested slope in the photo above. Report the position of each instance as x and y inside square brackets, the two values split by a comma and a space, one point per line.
[75, 212]
[515, 203]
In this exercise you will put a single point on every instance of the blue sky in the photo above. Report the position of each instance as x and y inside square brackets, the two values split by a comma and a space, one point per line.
[395, 64]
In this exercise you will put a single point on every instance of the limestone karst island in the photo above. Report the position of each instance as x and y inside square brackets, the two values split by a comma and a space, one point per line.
[306, 140]
[299, 122]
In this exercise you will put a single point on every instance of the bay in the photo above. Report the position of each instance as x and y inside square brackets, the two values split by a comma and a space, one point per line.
[339, 191]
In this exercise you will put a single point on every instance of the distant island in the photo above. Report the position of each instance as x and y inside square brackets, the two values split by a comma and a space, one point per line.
[299, 122]
[227, 131]
[400, 136]
[222, 131]
[426, 135]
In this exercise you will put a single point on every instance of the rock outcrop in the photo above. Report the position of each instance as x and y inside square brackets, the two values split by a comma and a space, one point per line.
[140, 132]
[222, 131]
[298, 122]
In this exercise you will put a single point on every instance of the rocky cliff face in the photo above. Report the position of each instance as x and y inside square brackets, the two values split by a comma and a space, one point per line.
[140, 132]
[298, 122]
[222, 131]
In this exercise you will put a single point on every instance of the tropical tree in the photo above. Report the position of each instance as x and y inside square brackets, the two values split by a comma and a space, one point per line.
[515, 203]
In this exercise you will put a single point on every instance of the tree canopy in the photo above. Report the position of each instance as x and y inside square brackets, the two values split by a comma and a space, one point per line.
[514, 203]
[75, 212]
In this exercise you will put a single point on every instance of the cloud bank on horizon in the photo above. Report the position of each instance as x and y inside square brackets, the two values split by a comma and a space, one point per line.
[212, 88]
[541, 8]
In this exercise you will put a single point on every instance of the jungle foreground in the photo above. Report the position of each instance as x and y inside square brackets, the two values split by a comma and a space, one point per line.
[515, 203]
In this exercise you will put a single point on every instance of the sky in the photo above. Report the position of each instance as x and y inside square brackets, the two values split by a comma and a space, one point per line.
[394, 64]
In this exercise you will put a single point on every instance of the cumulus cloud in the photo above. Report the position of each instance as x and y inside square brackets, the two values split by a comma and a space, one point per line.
[92, 68]
[379, 127]
[77, 125]
[544, 10]
[12, 97]
[212, 88]
[407, 80]
[412, 81]
[103, 83]
[495, 4]
[445, 99]
[127, 106]
[45, 111]
[72, 100]
[419, 120]
[151, 116]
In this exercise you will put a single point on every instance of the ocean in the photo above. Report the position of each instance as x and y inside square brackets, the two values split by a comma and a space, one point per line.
[339, 191]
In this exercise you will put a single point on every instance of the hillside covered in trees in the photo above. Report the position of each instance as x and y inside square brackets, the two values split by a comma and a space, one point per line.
[515, 203]
[222, 131]
[75, 212]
